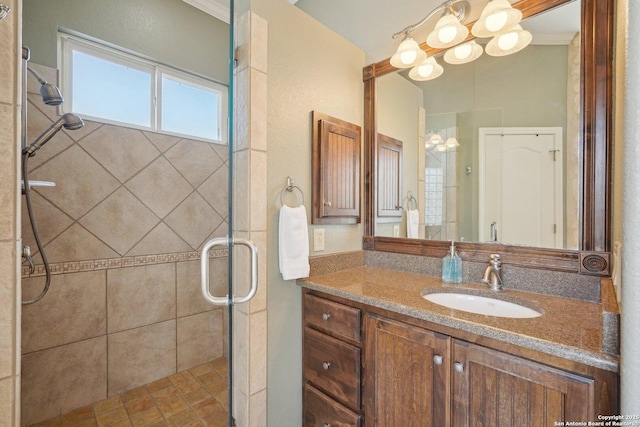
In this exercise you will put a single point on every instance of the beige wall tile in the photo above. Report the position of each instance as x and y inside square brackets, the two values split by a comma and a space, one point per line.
[7, 387]
[242, 195]
[196, 160]
[77, 244]
[189, 293]
[123, 151]
[138, 296]
[141, 356]
[9, 36]
[8, 171]
[258, 409]
[200, 339]
[160, 187]
[259, 37]
[215, 190]
[241, 349]
[72, 310]
[258, 352]
[258, 190]
[120, 221]
[7, 302]
[258, 140]
[73, 195]
[242, 107]
[50, 220]
[161, 142]
[60, 379]
[160, 240]
[193, 220]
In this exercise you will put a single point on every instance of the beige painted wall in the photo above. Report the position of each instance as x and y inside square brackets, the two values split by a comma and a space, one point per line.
[310, 68]
[147, 27]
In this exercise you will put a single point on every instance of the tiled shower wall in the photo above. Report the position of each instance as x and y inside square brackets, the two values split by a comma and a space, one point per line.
[121, 228]
[10, 30]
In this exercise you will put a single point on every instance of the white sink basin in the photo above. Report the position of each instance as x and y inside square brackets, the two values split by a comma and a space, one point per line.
[481, 305]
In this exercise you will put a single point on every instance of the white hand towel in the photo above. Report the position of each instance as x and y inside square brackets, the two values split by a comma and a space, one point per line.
[413, 219]
[293, 239]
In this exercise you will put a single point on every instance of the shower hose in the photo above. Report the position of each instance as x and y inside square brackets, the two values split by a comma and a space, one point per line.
[36, 234]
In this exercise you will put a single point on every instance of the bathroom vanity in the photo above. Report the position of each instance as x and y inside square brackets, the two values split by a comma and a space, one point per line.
[376, 352]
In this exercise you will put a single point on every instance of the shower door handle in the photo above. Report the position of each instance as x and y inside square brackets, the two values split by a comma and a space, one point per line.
[204, 270]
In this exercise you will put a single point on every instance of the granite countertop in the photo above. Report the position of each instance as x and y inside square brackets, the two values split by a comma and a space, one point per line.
[569, 328]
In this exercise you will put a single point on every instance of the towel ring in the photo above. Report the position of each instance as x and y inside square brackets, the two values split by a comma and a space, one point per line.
[410, 198]
[290, 187]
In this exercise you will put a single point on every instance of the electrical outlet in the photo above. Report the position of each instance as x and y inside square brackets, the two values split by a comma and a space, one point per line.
[396, 230]
[318, 239]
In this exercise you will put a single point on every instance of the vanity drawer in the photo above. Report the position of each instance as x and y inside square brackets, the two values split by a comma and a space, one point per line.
[332, 366]
[321, 411]
[332, 317]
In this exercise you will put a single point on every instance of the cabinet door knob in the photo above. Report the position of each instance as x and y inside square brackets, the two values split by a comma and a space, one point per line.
[437, 359]
[325, 316]
[458, 367]
[326, 425]
[328, 204]
[326, 365]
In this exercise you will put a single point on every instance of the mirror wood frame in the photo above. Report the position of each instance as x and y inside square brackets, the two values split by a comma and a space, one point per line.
[596, 66]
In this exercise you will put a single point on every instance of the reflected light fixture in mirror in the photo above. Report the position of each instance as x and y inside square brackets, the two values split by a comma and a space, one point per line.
[463, 53]
[508, 42]
[428, 70]
[496, 16]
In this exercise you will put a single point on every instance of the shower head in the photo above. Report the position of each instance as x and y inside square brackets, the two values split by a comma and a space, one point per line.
[68, 121]
[50, 94]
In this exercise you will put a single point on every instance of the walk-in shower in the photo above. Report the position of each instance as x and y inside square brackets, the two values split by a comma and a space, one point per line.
[51, 95]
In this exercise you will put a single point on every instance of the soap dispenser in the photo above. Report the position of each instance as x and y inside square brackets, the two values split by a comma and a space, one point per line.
[452, 266]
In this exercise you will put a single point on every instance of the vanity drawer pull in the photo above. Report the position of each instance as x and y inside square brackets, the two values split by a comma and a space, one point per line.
[326, 365]
[328, 316]
[458, 367]
[437, 359]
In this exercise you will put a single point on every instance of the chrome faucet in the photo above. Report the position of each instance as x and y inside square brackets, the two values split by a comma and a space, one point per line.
[493, 273]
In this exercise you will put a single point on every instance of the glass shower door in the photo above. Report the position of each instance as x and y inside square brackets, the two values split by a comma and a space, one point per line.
[242, 253]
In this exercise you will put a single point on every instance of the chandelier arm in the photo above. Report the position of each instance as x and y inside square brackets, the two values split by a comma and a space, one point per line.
[410, 28]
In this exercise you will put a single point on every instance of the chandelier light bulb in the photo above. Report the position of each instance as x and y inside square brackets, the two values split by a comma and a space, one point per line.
[463, 51]
[507, 41]
[408, 54]
[496, 22]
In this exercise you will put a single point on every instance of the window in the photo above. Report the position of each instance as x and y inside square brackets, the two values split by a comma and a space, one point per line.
[106, 85]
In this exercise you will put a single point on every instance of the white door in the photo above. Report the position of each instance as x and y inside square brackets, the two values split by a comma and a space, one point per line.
[521, 186]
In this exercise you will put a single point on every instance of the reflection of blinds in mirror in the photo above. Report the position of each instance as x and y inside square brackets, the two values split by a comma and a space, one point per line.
[389, 177]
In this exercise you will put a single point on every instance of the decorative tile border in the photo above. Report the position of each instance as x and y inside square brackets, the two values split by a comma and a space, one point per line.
[113, 263]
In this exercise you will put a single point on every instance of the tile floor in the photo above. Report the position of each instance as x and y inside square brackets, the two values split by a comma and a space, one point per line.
[195, 397]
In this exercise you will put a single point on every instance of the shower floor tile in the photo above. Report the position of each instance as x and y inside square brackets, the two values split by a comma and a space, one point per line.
[195, 397]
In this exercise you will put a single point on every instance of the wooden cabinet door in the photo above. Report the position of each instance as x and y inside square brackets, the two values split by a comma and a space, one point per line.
[335, 171]
[491, 388]
[389, 177]
[405, 375]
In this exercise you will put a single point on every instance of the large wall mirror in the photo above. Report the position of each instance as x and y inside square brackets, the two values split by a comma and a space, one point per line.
[547, 205]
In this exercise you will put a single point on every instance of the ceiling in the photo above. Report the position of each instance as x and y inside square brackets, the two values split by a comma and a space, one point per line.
[369, 24]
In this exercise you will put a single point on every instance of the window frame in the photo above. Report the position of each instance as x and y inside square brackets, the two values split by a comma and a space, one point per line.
[68, 43]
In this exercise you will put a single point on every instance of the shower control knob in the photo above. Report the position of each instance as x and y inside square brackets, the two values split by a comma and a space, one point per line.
[437, 359]
[326, 365]
[326, 316]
